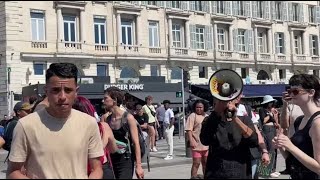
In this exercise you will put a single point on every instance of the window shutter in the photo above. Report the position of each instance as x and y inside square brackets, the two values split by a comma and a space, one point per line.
[246, 39]
[205, 6]
[301, 14]
[235, 40]
[248, 8]
[284, 43]
[317, 45]
[208, 30]
[276, 43]
[284, 10]
[160, 3]
[290, 12]
[266, 9]
[106, 31]
[254, 9]
[144, 2]
[184, 5]
[250, 35]
[169, 4]
[317, 14]
[273, 10]
[214, 7]
[310, 44]
[193, 36]
[227, 7]
[235, 8]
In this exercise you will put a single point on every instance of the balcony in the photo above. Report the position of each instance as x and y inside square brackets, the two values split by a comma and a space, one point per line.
[315, 58]
[40, 45]
[180, 51]
[202, 53]
[244, 56]
[264, 57]
[101, 47]
[73, 45]
[300, 57]
[124, 49]
[154, 50]
[281, 57]
[227, 54]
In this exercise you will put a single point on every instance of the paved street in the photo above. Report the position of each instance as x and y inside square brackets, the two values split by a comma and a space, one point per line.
[178, 168]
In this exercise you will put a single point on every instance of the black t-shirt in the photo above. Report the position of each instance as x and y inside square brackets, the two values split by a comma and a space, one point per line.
[142, 119]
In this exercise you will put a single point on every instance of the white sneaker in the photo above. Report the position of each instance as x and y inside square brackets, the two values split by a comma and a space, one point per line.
[154, 149]
[274, 175]
[169, 157]
[278, 173]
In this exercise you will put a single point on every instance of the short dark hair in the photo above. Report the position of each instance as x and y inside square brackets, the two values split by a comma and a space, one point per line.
[62, 70]
[307, 81]
[166, 101]
[116, 94]
[205, 105]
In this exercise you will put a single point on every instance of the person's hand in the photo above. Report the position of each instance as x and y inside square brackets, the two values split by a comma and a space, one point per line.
[274, 112]
[193, 144]
[265, 159]
[286, 97]
[283, 141]
[139, 172]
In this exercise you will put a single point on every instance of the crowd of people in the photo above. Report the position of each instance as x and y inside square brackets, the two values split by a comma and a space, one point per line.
[232, 141]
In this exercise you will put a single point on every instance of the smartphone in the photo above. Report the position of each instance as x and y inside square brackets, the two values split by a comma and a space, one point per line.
[287, 87]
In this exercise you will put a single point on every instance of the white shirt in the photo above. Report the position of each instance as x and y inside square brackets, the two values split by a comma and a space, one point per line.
[241, 111]
[168, 115]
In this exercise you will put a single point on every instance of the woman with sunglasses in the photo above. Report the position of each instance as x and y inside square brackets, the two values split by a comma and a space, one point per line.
[302, 150]
[269, 122]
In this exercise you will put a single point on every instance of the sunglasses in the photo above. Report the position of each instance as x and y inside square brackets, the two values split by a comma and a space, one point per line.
[295, 91]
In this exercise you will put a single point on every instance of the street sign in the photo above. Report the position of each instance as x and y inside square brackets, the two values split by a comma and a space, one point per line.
[9, 69]
[179, 94]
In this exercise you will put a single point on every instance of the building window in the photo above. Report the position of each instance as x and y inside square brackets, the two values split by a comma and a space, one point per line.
[295, 12]
[153, 34]
[176, 73]
[241, 40]
[241, 8]
[243, 73]
[152, 3]
[202, 72]
[221, 39]
[259, 9]
[262, 42]
[312, 17]
[176, 35]
[127, 32]
[282, 73]
[298, 43]
[280, 43]
[70, 28]
[37, 26]
[102, 70]
[278, 10]
[200, 37]
[176, 4]
[100, 31]
[198, 6]
[316, 73]
[38, 68]
[154, 70]
[220, 7]
[314, 45]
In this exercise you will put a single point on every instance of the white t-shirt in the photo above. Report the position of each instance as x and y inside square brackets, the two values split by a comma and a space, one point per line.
[168, 115]
[242, 111]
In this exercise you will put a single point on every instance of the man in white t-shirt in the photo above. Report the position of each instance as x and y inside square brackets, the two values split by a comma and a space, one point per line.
[168, 125]
[47, 144]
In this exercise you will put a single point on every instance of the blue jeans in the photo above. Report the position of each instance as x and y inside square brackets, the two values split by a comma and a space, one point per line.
[254, 167]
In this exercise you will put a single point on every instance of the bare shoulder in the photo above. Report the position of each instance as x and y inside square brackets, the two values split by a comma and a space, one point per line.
[315, 127]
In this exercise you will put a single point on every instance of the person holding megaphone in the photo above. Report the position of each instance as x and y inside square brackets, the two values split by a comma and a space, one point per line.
[228, 136]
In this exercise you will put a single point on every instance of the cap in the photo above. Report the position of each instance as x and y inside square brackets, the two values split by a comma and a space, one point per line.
[22, 106]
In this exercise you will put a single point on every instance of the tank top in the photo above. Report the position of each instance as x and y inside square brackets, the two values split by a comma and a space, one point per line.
[302, 140]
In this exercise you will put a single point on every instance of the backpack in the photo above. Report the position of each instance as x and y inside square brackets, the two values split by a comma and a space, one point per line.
[125, 125]
[8, 133]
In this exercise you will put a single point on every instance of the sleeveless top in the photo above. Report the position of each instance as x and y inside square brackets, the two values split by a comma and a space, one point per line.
[302, 140]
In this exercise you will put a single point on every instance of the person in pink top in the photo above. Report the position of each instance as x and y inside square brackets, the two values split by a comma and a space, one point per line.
[193, 128]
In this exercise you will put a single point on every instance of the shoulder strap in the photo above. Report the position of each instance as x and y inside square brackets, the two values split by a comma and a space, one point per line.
[310, 121]
[297, 123]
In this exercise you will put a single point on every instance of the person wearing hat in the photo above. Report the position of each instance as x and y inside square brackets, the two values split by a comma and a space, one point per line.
[269, 120]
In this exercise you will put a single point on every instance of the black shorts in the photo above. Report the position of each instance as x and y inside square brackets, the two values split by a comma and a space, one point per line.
[152, 124]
